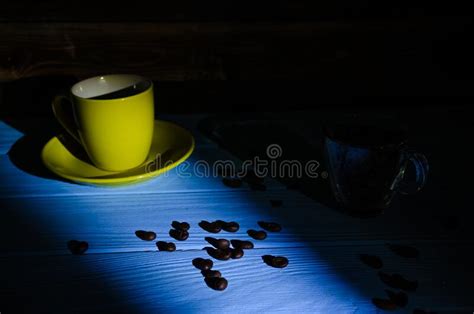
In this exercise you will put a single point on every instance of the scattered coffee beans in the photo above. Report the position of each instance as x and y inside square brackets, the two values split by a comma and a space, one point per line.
[371, 261]
[276, 203]
[231, 226]
[257, 235]
[77, 247]
[180, 235]
[202, 264]
[211, 227]
[222, 244]
[270, 226]
[180, 225]
[403, 250]
[386, 305]
[397, 281]
[399, 298]
[232, 182]
[219, 254]
[166, 246]
[239, 244]
[145, 235]
[208, 273]
[275, 261]
[236, 253]
[216, 283]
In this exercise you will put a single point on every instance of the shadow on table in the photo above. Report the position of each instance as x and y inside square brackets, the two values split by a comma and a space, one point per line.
[25, 153]
[411, 218]
[35, 284]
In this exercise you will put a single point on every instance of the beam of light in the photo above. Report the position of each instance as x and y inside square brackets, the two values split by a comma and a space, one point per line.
[145, 279]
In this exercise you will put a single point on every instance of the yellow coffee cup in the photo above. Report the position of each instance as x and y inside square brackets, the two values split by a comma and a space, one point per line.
[112, 118]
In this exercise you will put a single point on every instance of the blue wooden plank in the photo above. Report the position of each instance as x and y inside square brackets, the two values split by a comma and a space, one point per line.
[38, 215]
[109, 221]
[167, 282]
[186, 177]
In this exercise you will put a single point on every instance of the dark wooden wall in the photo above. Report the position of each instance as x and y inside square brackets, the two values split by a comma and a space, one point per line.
[308, 51]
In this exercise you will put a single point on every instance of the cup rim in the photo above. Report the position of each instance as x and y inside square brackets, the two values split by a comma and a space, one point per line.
[112, 99]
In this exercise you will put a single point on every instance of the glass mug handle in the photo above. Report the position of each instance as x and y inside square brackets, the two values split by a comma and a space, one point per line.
[421, 165]
[66, 119]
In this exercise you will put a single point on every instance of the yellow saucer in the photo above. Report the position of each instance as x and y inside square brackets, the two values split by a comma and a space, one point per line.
[171, 146]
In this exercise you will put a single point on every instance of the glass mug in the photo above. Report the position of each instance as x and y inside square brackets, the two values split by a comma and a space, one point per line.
[367, 167]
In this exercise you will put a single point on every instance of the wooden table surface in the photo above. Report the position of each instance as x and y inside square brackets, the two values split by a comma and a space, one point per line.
[120, 273]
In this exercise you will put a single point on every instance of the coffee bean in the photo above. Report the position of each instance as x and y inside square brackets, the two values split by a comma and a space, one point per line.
[386, 305]
[371, 260]
[227, 226]
[219, 254]
[399, 298]
[77, 247]
[180, 235]
[219, 223]
[180, 225]
[397, 281]
[211, 227]
[270, 226]
[214, 227]
[280, 262]
[232, 182]
[208, 273]
[239, 244]
[275, 261]
[222, 244]
[231, 226]
[276, 203]
[258, 187]
[236, 253]
[216, 283]
[404, 250]
[145, 235]
[257, 235]
[166, 246]
[202, 264]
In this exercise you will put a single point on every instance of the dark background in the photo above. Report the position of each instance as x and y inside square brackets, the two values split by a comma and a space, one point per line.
[241, 55]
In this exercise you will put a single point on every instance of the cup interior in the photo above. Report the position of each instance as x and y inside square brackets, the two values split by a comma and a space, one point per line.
[111, 86]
